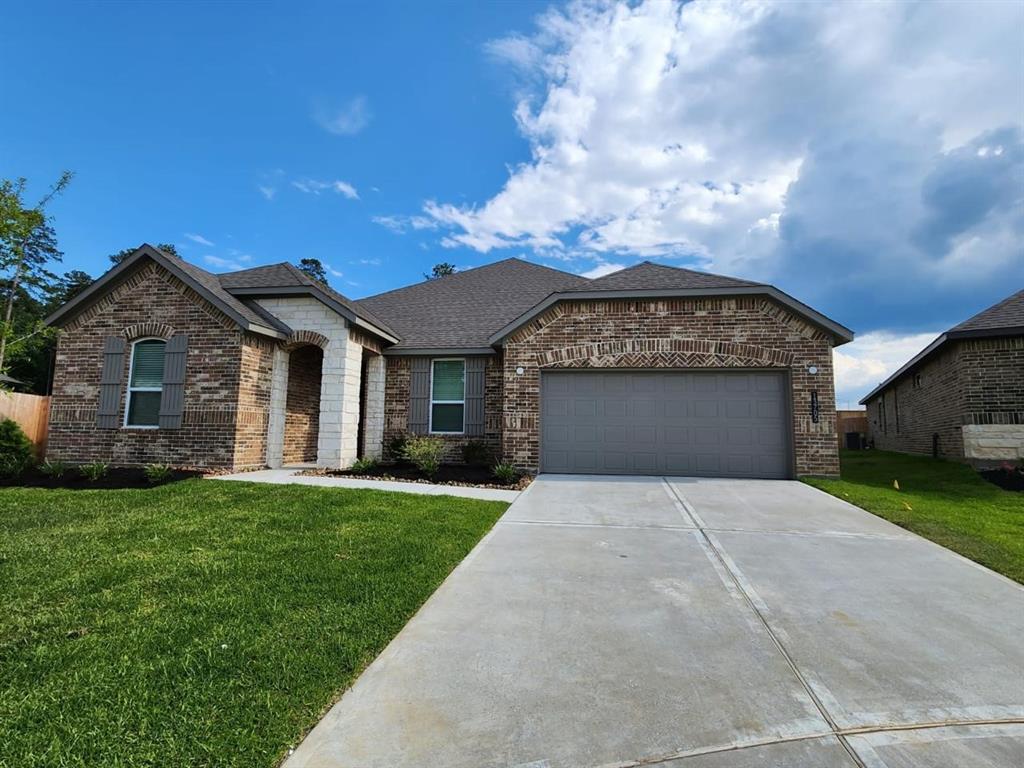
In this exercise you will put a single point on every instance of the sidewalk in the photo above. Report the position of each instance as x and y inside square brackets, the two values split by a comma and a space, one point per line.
[280, 476]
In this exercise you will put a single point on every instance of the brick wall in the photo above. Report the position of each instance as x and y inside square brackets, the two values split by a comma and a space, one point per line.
[302, 405]
[905, 417]
[992, 372]
[735, 332]
[150, 301]
[255, 372]
[396, 407]
[970, 382]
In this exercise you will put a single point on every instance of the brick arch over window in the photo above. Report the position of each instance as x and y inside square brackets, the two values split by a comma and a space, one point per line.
[664, 353]
[298, 338]
[142, 330]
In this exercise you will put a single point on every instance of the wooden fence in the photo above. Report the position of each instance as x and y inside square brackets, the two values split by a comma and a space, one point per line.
[32, 412]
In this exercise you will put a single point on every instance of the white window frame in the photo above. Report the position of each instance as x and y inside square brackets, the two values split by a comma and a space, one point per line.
[433, 402]
[131, 389]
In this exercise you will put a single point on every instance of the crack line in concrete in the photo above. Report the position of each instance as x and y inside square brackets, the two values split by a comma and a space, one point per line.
[767, 742]
[731, 570]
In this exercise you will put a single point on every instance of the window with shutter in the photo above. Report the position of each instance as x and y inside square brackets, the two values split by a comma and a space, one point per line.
[145, 384]
[448, 396]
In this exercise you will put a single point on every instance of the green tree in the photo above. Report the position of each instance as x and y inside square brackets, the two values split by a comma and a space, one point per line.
[441, 270]
[314, 270]
[27, 245]
[117, 258]
[67, 287]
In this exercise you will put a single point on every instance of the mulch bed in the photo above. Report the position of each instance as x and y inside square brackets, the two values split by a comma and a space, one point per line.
[447, 474]
[1007, 478]
[116, 477]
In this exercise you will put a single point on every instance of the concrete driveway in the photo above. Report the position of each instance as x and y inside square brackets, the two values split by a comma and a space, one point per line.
[699, 624]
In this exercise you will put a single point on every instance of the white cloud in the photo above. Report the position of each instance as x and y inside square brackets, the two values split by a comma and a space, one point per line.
[199, 239]
[235, 262]
[346, 120]
[368, 262]
[843, 150]
[332, 271]
[314, 187]
[871, 358]
[267, 191]
[603, 268]
[402, 224]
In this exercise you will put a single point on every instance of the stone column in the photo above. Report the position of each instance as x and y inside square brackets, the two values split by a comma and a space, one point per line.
[350, 387]
[278, 402]
[373, 429]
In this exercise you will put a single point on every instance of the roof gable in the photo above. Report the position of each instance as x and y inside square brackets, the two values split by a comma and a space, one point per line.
[202, 282]
[288, 279]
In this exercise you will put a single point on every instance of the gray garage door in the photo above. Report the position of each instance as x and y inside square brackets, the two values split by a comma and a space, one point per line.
[710, 424]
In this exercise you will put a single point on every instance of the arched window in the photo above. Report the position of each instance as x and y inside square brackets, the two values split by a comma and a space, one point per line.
[145, 383]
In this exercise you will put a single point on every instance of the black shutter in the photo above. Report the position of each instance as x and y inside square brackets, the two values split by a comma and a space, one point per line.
[110, 383]
[172, 399]
[475, 395]
[419, 396]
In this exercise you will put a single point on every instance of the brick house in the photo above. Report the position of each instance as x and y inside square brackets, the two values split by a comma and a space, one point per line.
[652, 369]
[962, 396]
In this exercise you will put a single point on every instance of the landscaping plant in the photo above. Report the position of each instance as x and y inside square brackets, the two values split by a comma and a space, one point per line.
[15, 449]
[53, 468]
[364, 465]
[476, 453]
[425, 453]
[394, 450]
[505, 473]
[158, 473]
[94, 471]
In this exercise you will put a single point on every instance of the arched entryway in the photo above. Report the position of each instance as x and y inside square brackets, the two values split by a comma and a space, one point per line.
[302, 405]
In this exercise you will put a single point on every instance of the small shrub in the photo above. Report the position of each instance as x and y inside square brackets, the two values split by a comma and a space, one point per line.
[425, 453]
[505, 473]
[476, 453]
[364, 465]
[15, 449]
[158, 473]
[94, 471]
[53, 468]
[395, 448]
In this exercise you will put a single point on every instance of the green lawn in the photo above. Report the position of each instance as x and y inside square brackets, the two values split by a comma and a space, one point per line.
[203, 623]
[944, 501]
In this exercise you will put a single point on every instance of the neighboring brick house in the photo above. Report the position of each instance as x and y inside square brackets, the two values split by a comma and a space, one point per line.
[652, 369]
[961, 397]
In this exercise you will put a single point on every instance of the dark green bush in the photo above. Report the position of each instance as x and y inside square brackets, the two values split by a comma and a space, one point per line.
[476, 453]
[364, 465]
[394, 450]
[16, 451]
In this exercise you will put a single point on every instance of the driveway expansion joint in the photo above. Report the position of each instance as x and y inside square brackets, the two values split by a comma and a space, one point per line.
[745, 592]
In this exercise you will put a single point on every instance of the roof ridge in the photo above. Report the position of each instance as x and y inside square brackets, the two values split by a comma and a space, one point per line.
[459, 273]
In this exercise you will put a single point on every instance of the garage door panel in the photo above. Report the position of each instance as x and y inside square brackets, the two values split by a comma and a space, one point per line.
[725, 423]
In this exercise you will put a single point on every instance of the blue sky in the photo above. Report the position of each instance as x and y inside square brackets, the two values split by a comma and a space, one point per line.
[868, 159]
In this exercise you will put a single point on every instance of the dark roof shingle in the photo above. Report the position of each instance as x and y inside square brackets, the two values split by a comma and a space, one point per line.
[1008, 313]
[649, 276]
[463, 310]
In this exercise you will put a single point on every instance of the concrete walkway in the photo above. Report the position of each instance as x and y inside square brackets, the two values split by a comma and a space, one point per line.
[279, 476]
[694, 623]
